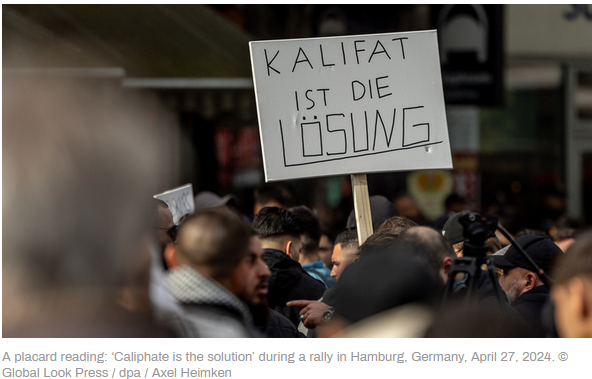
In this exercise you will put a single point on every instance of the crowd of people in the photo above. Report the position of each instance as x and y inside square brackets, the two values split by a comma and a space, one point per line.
[405, 280]
[88, 253]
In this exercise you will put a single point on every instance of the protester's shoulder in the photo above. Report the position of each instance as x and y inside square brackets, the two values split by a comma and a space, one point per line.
[537, 297]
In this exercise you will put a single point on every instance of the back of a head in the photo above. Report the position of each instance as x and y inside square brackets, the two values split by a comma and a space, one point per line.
[429, 245]
[348, 239]
[310, 228]
[428, 237]
[396, 225]
[577, 260]
[274, 222]
[214, 241]
[380, 207]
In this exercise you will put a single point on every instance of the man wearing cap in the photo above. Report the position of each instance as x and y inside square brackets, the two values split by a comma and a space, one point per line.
[453, 231]
[526, 293]
[381, 209]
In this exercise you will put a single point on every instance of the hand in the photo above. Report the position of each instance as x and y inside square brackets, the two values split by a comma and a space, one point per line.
[311, 313]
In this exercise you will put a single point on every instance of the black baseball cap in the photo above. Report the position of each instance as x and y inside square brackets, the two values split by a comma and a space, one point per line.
[382, 209]
[541, 249]
[453, 229]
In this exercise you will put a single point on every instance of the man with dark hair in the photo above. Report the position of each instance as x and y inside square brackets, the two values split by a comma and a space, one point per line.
[272, 195]
[216, 270]
[526, 292]
[572, 292]
[279, 232]
[386, 234]
[310, 236]
[395, 225]
[345, 252]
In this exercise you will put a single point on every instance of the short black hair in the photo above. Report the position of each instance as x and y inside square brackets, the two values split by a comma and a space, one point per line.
[396, 225]
[274, 222]
[347, 239]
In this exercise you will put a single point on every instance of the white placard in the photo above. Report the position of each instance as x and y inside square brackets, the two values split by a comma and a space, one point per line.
[353, 104]
[179, 201]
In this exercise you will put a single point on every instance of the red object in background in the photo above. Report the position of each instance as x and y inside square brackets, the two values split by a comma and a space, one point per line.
[236, 149]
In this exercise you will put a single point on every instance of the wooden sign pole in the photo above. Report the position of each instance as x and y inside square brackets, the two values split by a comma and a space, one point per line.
[362, 207]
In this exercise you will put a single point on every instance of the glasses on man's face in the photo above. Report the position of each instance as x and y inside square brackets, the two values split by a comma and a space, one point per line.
[501, 272]
[459, 250]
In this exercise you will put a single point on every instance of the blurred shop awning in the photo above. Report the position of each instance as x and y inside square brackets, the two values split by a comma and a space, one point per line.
[150, 44]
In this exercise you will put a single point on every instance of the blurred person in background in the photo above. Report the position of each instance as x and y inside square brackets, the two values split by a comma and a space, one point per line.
[311, 235]
[326, 246]
[453, 204]
[407, 207]
[272, 195]
[80, 165]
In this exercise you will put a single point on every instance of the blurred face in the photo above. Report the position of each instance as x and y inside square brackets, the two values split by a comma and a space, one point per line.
[564, 311]
[325, 250]
[407, 207]
[513, 282]
[252, 274]
[341, 258]
[572, 307]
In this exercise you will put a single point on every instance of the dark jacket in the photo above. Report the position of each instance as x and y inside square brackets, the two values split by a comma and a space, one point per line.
[530, 306]
[288, 282]
[279, 326]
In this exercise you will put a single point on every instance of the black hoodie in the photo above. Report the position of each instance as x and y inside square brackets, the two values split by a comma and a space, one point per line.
[289, 282]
